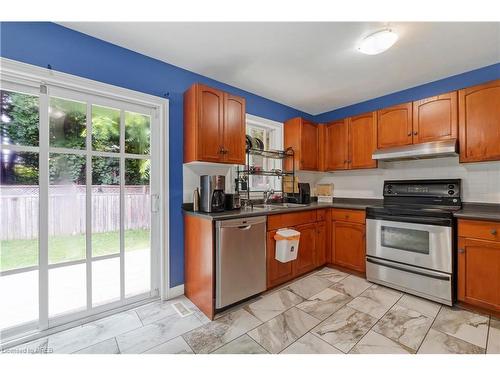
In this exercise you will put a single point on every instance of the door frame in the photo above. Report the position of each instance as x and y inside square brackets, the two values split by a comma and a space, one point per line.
[26, 75]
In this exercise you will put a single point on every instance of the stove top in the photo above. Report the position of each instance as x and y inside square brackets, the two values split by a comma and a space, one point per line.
[419, 198]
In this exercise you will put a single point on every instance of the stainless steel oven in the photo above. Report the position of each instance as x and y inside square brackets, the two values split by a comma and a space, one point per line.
[410, 239]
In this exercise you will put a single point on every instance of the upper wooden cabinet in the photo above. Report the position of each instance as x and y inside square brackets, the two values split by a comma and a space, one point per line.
[394, 125]
[362, 141]
[435, 118]
[336, 145]
[479, 122]
[350, 143]
[303, 137]
[214, 126]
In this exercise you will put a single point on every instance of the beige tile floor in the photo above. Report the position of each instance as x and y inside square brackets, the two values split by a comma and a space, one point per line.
[326, 312]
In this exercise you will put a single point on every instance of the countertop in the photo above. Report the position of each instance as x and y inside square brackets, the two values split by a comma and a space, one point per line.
[479, 211]
[350, 203]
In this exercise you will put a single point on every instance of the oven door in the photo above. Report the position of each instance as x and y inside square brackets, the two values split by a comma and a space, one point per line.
[421, 245]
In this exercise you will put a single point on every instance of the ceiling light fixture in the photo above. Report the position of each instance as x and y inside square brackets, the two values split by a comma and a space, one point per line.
[378, 42]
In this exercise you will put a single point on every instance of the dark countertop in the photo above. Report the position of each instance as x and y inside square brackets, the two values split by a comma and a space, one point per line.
[350, 203]
[479, 211]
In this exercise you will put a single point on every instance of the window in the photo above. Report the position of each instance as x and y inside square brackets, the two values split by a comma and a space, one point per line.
[271, 135]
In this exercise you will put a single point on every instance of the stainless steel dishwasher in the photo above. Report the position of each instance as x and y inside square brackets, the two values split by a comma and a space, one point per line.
[240, 259]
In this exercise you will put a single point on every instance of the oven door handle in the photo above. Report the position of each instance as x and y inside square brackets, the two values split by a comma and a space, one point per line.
[402, 267]
[413, 219]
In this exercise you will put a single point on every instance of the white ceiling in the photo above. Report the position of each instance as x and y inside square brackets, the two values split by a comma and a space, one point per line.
[314, 67]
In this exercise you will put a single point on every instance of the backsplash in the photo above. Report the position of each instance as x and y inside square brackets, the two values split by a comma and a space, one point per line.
[480, 181]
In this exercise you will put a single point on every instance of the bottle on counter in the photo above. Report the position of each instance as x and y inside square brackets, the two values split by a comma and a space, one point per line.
[196, 200]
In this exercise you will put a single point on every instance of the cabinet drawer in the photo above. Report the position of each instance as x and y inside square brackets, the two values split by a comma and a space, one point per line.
[321, 215]
[290, 220]
[352, 216]
[484, 230]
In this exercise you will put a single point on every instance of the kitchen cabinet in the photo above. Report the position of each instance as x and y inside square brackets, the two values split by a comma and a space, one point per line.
[362, 141]
[320, 244]
[350, 143]
[479, 122]
[214, 126]
[394, 126]
[303, 137]
[348, 239]
[336, 145]
[435, 118]
[479, 263]
[306, 258]
[312, 246]
[277, 272]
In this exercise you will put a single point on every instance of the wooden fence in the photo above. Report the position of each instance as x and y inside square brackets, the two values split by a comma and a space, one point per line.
[19, 210]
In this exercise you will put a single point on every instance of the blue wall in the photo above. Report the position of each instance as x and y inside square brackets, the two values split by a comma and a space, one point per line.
[441, 86]
[79, 54]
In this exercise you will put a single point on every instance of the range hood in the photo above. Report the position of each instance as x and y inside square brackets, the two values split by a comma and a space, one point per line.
[438, 149]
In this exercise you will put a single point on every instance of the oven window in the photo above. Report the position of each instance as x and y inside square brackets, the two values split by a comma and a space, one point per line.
[413, 240]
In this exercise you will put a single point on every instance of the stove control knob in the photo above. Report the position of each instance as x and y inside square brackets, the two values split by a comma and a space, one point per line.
[450, 186]
[451, 192]
[389, 191]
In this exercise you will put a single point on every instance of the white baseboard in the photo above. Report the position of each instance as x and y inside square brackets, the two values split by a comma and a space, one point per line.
[176, 291]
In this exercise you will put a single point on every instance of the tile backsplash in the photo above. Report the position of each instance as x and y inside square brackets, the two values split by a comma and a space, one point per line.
[480, 181]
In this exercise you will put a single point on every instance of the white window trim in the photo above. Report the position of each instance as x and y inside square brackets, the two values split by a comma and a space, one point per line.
[276, 126]
[276, 139]
[15, 72]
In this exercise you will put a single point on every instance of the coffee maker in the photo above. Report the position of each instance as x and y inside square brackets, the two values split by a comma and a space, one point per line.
[212, 193]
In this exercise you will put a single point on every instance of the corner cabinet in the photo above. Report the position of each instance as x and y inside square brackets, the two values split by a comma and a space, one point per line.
[479, 263]
[304, 137]
[479, 122]
[214, 126]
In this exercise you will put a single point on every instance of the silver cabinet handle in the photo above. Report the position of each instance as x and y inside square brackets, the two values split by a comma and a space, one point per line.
[461, 251]
[493, 232]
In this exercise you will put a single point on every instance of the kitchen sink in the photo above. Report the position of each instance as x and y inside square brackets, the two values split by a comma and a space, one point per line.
[278, 206]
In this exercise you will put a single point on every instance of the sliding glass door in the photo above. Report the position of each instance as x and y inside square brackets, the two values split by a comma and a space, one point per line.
[80, 230]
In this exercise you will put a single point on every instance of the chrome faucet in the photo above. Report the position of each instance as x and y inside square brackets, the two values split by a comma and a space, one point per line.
[267, 195]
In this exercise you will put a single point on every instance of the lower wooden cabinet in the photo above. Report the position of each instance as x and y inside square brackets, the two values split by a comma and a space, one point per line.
[277, 272]
[348, 239]
[312, 247]
[479, 264]
[306, 258]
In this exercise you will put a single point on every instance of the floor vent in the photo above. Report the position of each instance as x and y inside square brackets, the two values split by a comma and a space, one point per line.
[181, 309]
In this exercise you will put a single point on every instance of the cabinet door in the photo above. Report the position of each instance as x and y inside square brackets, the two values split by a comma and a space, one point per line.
[479, 272]
[320, 244]
[210, 124]
[348, 245]
[394, 126]
[435, 118]
[336, 145]
[234, 129]
[362, 141]
[277, 272]
[479, 122]
[306, 258]
[309, 144]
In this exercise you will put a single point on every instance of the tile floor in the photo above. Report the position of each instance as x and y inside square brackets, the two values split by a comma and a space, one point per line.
[326, 312]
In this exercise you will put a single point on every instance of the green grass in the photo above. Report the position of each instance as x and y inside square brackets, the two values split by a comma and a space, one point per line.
[24, 253]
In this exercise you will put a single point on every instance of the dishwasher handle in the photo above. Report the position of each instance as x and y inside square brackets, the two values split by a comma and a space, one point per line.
[243, 224]
[244, 227]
